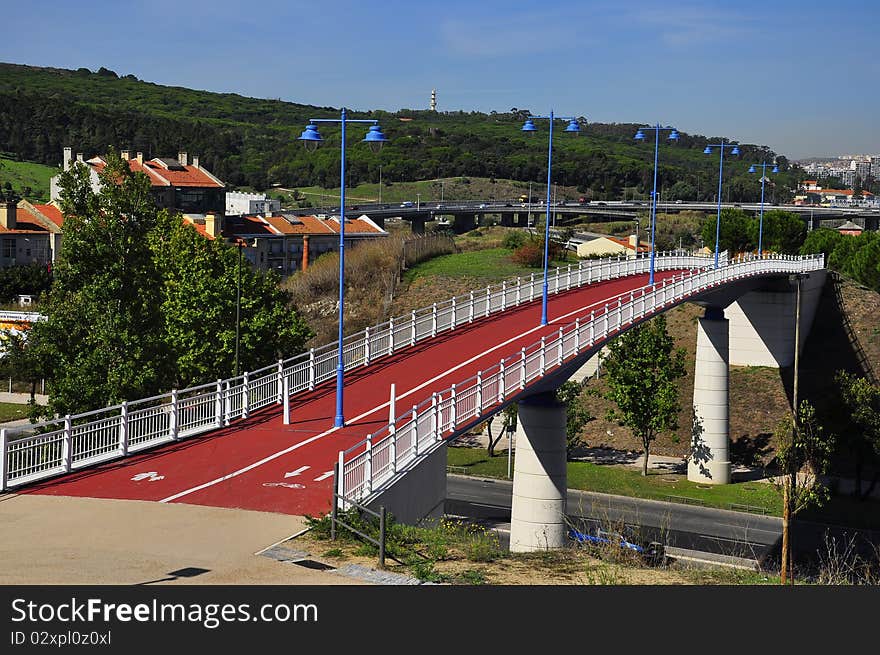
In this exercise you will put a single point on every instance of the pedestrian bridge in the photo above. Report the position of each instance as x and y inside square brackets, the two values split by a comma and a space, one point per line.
[452, 365]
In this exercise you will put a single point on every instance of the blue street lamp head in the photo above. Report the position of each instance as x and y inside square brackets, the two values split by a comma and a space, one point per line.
[708, 150]
[735, 150]
[673, 136]
[375, 138]
[529, 126]
[775, 168]
[573, 127]
[640, 136]
[752, 168]
[310, 137]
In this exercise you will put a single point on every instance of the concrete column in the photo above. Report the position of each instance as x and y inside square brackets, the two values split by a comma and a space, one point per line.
[418, 224]
[537, 517]
[710, 457]
[507, 219]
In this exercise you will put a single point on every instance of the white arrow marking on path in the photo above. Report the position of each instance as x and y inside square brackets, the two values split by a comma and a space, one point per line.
[149, 476]
[324, 476]
[290, 474]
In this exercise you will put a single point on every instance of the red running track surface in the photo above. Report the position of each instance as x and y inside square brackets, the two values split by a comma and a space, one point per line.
[261, 464]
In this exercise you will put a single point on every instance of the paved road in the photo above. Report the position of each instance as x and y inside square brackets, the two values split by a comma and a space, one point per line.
[686, 526]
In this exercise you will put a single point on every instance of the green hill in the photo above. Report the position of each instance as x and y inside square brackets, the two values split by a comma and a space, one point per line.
[250, 141]
[26, 178]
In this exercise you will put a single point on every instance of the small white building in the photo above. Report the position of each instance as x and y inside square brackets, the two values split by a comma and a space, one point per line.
[239, 203]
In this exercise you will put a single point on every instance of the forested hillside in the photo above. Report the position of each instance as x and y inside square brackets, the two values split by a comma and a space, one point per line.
[249, 141]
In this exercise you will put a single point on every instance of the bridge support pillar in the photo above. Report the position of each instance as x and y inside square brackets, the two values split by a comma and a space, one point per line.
[710, 446]
[508, 220]
[464, 223]
[418, 224]
[537, 517]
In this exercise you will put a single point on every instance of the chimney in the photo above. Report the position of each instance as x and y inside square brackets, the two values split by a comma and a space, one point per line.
[140, 158]
[182, 157]
[267, 209]
[305, 259]
[196, 161]
[125, 154]
[68, 156]
[7, 214]
[633, 243]
[79, 158]
[212, 224]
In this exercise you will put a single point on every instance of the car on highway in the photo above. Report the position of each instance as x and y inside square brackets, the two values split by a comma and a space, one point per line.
[407, 203]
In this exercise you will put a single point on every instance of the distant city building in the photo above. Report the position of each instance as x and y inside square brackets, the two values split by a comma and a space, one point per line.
[239, 203]
[849, 228]
[176, 184]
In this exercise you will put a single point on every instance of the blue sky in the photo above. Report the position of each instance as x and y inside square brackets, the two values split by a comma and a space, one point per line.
[800, 77]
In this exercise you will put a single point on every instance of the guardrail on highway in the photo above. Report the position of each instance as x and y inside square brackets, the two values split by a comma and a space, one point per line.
[375, 463]
[35, 452]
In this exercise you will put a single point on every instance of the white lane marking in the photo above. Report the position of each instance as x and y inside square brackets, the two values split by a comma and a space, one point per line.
[324, 476]
[291, 474]
[149, 476]
[290, 449]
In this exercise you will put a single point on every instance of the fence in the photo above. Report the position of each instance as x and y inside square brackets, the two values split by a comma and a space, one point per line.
[38, 451]
[369, 466]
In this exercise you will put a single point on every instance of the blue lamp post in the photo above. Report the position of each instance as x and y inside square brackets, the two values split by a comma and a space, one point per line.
[708, 151]
[752, 169]
[640, 136]
[312, 138]
[529, 127]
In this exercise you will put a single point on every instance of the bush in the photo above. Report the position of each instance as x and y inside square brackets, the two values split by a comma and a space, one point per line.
[514, 240]
[529, 254]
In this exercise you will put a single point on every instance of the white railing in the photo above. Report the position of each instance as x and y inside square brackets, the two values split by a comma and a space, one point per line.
[21, 317]
[369, 467]
[34, 452]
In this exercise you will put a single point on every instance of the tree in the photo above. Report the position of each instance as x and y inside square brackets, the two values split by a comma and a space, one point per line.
[802, 455]
[101, 342]
[576, 413]
[198, 307]
[784, 232]
[862, 401]
[734, 231]
[508, 422]
[641, 370]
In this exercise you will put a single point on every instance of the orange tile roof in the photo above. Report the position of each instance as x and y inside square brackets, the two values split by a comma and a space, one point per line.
[354, 226]
[626, 244]
[52, 213]
[161, 176]
[24, 227]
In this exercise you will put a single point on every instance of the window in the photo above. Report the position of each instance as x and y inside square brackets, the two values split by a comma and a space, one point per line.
[9, 248]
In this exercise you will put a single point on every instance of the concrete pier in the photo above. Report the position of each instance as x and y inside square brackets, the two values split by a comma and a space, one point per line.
[710, 458]
[537, 520]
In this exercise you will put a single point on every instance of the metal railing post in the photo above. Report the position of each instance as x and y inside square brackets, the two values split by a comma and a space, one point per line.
[488, 299]
[4, 472]
[366, 346]
[531, 286]
[435, 419]
[67, 445]
[592, 327]
[412, 334]
[503, 295]
[218, 403]
[454, 318]
[335, 507]
[501, 383]
[390, 335]
[543, 358]
[522, 368]
[279, 390]
[415, 431]
[174, 416]
[245, 395]
[382, 536]
[285, 383]
[559, 350]
[479, 392]
[452, 408]
[577, 335]
[471, 314]
[312, 372]
[227, 403]
[123, 428]
[434, 320]
[556, 281]
[340, 478]
[368, 465]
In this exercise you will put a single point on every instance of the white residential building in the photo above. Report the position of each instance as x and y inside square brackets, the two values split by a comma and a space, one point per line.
[241, 204]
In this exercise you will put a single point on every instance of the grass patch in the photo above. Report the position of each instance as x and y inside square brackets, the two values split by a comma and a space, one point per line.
[27, 178]
[12, 411]
[489, 265]
[626, 481]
